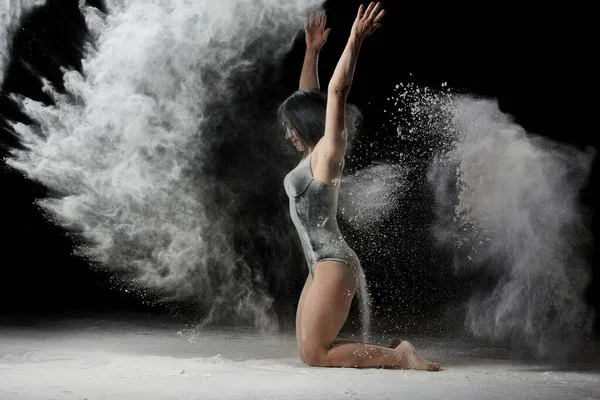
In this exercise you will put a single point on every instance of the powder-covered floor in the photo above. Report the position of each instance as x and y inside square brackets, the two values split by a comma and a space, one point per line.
[109, 359]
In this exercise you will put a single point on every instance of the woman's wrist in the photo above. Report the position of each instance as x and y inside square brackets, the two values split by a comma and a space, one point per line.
[354, 40]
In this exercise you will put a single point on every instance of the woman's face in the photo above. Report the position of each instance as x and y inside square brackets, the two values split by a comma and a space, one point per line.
[290, 134]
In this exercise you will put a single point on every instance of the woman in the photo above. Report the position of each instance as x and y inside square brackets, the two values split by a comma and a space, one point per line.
[315, 124]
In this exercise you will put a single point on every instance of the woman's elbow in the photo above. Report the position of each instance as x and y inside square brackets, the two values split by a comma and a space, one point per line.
[338, 90]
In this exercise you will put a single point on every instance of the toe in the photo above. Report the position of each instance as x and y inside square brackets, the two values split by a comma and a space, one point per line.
[433, 367]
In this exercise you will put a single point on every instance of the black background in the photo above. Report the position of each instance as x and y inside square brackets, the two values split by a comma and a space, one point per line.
[536, 63]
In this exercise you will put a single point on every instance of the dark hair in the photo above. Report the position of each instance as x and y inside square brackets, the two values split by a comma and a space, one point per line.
[304, 110]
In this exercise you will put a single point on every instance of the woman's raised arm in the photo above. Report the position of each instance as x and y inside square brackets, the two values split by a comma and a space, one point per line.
[366, 22]
[316, 36]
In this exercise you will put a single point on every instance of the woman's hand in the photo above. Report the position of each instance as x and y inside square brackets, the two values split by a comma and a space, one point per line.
[366, 21]
[314, 27]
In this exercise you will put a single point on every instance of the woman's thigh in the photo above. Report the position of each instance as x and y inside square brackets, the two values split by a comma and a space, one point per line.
[305, 290]
[326, 305]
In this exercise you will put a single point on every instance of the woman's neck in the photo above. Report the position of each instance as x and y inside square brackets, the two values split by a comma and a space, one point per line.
[307, 152]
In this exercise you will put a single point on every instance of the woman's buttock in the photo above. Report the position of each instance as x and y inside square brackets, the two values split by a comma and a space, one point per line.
[345, 269]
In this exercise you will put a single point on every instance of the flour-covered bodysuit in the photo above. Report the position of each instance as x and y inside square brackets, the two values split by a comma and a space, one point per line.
[313, 208]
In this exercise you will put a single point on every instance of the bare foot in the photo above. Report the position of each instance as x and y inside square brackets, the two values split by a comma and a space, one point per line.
[413, 360]
[395, 343]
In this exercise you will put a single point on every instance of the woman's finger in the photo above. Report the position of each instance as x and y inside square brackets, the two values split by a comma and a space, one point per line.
[310, 20]
[369, 8]
[324, 20]
[379, 16]
[360, 11]
[374, 10]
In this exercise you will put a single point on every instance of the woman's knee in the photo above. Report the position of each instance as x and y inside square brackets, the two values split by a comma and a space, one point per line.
[301, 352]
[315, 356]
